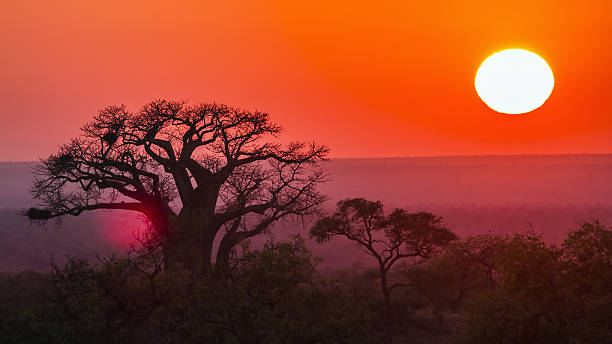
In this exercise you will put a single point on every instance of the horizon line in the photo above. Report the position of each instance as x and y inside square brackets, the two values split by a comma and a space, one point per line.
[421, 156]
[471, 156]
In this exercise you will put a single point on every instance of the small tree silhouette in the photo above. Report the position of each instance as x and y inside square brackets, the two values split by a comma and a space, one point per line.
[220, 163]
[389, 239]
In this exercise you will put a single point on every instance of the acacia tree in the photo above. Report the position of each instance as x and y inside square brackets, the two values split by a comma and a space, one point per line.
[387, 238]
[196, 171]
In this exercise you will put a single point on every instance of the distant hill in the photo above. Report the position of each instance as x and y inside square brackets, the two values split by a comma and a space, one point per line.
[503, 194]
[477, 180]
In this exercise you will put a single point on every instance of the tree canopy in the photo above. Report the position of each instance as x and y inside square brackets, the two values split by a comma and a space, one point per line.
[194, 170]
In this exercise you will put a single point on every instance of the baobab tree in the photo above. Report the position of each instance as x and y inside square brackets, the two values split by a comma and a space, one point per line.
[389, 239]
[196, 171]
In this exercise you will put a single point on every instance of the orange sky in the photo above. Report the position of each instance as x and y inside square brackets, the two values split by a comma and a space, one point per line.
[369, 79]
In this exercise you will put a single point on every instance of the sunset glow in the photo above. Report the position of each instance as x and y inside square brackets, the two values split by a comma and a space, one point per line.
[344, 73]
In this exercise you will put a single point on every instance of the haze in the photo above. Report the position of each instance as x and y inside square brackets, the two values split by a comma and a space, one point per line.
[475, 195]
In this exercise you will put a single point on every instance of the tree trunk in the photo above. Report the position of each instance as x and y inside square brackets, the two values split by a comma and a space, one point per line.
[227, 244]
[387, 319]
[193, 230]
[191, 240]
[224, 252]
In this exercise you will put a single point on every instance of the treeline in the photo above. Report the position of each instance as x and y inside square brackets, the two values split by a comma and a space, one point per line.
[438, 289]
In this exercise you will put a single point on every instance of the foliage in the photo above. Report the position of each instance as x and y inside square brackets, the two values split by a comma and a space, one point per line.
[503, 289]
[546, 294]
[21, 301]
[269, 296]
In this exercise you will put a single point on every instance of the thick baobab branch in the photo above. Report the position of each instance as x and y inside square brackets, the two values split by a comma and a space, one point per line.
[45, 214]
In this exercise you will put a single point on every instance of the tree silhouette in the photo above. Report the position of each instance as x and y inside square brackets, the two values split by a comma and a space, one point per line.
[389, 239]
[196, 171]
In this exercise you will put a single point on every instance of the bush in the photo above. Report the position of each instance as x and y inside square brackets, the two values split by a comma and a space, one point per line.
[268, 296]
[546, 294]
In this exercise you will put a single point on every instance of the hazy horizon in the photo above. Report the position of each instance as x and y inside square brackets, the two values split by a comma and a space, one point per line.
[473, 194]
[417, 156]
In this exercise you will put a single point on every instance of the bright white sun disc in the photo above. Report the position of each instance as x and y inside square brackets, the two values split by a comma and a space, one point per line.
[514, 81]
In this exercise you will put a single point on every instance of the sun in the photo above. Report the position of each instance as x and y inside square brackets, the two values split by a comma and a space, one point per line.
[514, 81]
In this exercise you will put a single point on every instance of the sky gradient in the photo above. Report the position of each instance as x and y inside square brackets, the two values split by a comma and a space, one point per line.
[388, 79]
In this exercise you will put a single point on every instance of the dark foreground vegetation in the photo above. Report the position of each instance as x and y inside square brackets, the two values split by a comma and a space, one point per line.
[482, 289]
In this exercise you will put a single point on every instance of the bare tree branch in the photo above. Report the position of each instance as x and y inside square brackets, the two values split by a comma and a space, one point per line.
[192, 169]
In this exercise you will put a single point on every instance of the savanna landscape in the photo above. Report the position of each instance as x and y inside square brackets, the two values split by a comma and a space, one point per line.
[291, 172]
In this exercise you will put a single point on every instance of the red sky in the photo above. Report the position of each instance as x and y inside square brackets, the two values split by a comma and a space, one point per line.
[369, 79]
